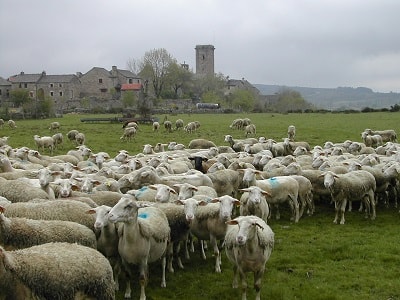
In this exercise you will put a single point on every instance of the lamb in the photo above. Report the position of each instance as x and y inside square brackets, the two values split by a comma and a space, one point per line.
[18, 233]
[58, 140]
[249, 242]
[11, 124]
[44, 142]
[201, 144]
[64, 210]
[208, 221]
[143, 238]
[388, 135]
[18, 191]
[148, 149]
[237, 124]
[80, 139]
[237, 145]
[253, 202]
[71, 134]
[354, 185]
[54, 126]
[129, 134]
[128, 124]
[56, 271]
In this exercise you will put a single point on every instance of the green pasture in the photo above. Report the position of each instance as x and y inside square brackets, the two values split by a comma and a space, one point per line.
[313, 259]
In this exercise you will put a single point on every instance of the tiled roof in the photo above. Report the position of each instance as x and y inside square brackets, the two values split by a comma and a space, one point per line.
[57, 78]
[4, 82]
[131, 87]
[28, 78]
[127, 73]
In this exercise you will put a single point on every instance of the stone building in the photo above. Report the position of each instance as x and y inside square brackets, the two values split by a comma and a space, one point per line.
[5, 88]
[204, 60]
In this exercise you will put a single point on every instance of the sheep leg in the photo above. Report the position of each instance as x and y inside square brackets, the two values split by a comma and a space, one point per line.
[235, 277]
[335, 220]
[342, 210]
[177, 252]
[143, 279]
[203, 253]
[258, 276]
[163, 265]
[243, 281]
[170, 254]
[217, 254]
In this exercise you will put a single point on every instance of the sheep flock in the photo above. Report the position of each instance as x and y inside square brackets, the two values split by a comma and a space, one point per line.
[159, 206]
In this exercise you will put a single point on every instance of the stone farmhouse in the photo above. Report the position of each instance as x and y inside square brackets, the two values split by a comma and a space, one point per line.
[97, 87]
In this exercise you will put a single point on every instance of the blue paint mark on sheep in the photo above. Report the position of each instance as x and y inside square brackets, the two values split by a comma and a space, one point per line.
[273, 181]
[141, 190]
[143, 215]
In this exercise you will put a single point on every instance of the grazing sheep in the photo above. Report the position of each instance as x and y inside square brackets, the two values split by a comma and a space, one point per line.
[179, 124]
[352, 186]
[249, 242]
[238, 145]
[168, 125]
[58, 140]
[237, 124]
[388, 135]
[129, 134]
[71, 135]
[201, 144]
[4, 141]
[253, 202]
[11, 124]
[156, 126]
[44, 142]
[208, 221]
[371, 140]
[250, 129]
[54, 125]
[128, 124]
[80, 139]
[19, 191]
[56, 271]
[144, 235]
[18, 233]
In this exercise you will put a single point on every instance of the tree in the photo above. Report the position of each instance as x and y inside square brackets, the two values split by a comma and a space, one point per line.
[178, 78]
[129, 99]
[154, 68]
[214, 83]
[290, 101]
[243, 100]
[19, 97]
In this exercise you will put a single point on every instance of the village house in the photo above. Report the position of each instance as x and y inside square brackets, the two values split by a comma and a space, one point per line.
[5, 88]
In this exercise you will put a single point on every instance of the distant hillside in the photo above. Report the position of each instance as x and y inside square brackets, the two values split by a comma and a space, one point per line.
[338, 98]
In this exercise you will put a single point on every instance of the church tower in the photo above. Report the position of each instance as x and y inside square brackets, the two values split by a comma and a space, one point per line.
[205, 59]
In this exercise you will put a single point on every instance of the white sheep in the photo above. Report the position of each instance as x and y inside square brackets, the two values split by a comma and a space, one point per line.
[58, 140]
[56, 271]
[144, 235]
[80, 138]
[19, 191]
[354, 185]
[282, 189]
[187, 190]
[156, 126]
[54, 125]
[249, 242]
[250, 129]
[179, 124]
[4, 141]
[225, 182]
[291, 132]
[65, 210]
[168, 125]
[43, 142]
[18, 233]
[208, 221]
[11, 124]
[253, 202]
[388, 135]
[129, 134]
[201, 144]
[71, 135]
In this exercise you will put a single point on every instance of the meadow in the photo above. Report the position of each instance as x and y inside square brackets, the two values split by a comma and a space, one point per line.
[313, 259]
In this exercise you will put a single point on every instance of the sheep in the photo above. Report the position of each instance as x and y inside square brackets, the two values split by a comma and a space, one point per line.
[71, 135]
[4, 141]
[187, 190]
[225, 182]
[201, 144]
[249, 242]
[128, 124]
[56, 271]
[81, 153]
[354, 185]
[18, 191]
[305, 195]
[291, 132]
[388, 135]
[18, 233]
[371, 140]
[282, 189]
[128, 135]
[155, 193]
[54, 126]
[143, 238]
[168, 125]
[107, 239]
[64, 210]
[148, 149]
[44, 142]
[237, 145]
[207, 221]
[11, 124]
[250, 129]
[237, 124]
[179, 124]
[156, 126]
[80, 138]
[58, 140]
[253, 202]
[175, 146]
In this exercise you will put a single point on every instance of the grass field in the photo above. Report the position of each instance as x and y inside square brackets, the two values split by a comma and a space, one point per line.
[313, 259]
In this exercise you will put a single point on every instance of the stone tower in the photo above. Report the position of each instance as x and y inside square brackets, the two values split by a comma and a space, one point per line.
[205, 59]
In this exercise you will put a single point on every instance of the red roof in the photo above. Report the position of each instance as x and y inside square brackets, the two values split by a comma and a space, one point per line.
[131, 87]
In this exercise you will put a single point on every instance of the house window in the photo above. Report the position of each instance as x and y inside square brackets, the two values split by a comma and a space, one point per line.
[60, 85]
[51, 85]
[130, 80]
[25, 85]
[20, 85]
[8, 93]
[61, 93]
[100, 80]
[103, 90]
[51, 93]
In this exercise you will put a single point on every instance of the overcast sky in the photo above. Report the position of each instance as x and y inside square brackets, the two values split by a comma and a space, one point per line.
[314, 43]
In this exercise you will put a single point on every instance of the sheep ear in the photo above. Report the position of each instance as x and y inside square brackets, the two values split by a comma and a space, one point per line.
[265, 193]
[179, 202]
[244, 190]
[259, 226]
[2, 209]
[203, 203]
[91, 211]
[214, 200]
[153, 187]
[171, 190]
[74, 187]
[232, 222]
[237, 202]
